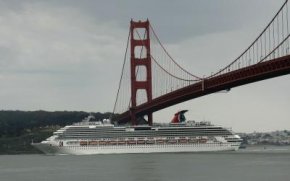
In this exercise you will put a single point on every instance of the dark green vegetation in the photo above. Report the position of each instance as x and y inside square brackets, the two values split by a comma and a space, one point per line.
[19, 128]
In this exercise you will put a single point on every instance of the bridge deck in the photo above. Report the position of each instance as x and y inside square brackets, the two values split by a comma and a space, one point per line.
[265, 70]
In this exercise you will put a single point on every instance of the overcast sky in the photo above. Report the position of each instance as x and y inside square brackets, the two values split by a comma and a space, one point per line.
[67, 55]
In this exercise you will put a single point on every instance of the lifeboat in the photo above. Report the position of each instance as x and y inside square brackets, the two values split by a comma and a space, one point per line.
[103, 142]
[159, 141]
[203, 140]
[93, 142]
[192, 140]
[112, 142]
[83, 143]
[171, 141]
[131, 142]
[182, 141]
[121, 142]
[141, 142]
[150, 141]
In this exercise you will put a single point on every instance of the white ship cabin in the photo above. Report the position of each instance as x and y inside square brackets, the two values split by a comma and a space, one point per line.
[87, 122]
[189, 123]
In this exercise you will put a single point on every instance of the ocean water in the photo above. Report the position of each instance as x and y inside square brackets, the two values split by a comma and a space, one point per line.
[251, 164]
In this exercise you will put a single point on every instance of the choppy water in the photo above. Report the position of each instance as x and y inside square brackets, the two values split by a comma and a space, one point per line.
[251, 164]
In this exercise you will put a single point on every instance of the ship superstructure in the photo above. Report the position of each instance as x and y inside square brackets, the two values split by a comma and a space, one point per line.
[102, 137]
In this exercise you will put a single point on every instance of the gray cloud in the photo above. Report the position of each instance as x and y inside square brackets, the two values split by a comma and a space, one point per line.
[181, 19]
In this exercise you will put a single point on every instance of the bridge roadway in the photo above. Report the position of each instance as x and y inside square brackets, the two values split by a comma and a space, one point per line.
[261, 71]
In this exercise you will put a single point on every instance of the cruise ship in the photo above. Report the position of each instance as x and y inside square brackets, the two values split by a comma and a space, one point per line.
[102, 137]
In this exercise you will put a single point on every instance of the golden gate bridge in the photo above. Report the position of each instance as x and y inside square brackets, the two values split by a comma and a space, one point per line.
[152, 80]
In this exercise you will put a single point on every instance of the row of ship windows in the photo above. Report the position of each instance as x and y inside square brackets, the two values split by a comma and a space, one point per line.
[84, 138]
[99, 138]
[146, 133]
[92, 130]
[159, 128]
[152, 146]
[114, 136]
[142, 136]
[171, 133]
[132, 136]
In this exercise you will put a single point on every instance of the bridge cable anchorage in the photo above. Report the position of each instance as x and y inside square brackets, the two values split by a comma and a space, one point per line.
[256, 49]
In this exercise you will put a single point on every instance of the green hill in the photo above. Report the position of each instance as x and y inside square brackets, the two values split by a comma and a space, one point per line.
[19, 128]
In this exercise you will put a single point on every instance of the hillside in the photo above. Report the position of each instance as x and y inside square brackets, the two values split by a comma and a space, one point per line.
[19, 128]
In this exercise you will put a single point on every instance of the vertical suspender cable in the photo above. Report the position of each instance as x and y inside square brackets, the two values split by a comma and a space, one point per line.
[287, 50]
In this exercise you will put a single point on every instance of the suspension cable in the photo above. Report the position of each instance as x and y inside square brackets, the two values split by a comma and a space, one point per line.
[188, 80]
[164, 69]
[221, 70]
[122, 73]
[170, 55]
[275, 49]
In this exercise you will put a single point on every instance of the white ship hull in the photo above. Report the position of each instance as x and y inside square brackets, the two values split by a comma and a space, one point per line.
[87, 138]
[117, 149]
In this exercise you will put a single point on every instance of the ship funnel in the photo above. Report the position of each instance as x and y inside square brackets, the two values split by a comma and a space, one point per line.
[179, 117]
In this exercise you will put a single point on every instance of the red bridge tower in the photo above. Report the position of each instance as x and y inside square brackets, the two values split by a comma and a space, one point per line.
[144, 44]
